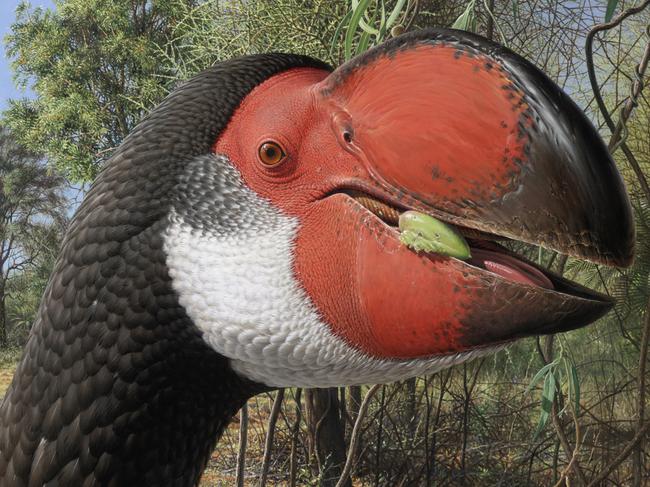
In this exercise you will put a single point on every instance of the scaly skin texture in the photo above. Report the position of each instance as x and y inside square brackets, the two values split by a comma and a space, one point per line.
[116, 385]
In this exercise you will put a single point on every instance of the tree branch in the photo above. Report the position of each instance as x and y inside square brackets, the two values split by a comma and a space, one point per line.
[356, 432]
[598, 97]
[243, 440]
[268, 443]
[640, 434]
[547, 356]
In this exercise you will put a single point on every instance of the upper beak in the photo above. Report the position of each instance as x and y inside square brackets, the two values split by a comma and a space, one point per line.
[453, 123]
[458, 127]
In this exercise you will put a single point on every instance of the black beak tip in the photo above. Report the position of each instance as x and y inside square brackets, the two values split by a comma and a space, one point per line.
[589, 207]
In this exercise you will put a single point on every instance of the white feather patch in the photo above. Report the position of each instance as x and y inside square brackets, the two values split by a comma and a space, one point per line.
[240, 291]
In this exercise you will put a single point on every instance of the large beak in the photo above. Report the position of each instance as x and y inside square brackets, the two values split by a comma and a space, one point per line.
[460, 128]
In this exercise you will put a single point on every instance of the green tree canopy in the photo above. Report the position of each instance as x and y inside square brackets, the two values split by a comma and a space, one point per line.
[95, 67]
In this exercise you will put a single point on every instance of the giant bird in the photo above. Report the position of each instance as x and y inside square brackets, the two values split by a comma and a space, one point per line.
[243, 237]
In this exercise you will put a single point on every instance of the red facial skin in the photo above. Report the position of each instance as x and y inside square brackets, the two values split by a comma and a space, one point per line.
[429, 147]
[419, 151]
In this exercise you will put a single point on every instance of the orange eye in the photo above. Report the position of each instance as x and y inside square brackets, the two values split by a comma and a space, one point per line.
[271, 153]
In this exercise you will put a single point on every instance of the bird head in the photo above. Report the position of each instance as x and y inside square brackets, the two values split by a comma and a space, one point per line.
[245, 235]
[279, 229]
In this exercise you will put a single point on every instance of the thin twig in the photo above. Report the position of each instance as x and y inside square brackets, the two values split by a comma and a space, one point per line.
[640, 434]
[547, 356]
[268, 443]
[243, 437]
[641, 388]
[355, 435]
[576, 450]
[598, 97]
[294, 439]
[632, 101]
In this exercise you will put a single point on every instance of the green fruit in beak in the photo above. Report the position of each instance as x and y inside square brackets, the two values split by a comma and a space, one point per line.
[423, 233]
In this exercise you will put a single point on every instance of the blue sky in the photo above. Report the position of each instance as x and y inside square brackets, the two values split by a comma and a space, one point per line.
[7, 14]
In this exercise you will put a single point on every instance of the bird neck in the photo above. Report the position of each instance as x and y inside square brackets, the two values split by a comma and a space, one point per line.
[116, 385]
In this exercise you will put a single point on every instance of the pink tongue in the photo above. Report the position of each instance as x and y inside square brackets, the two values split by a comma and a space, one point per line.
[509, 268]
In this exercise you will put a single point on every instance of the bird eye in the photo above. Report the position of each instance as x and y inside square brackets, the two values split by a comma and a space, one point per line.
[271, 153]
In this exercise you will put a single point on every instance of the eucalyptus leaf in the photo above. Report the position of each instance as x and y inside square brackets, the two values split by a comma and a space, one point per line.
[540, 374]
[382, 22]
[611, 7]
[337, 32]
[368, 28]
[357, 14]
[467, 20]
[395, 13]
[364, 42]
[548, 394]
[574, 385]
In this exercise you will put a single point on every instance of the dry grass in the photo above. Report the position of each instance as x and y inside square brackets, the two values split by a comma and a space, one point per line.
[6, 373]
[501, 417]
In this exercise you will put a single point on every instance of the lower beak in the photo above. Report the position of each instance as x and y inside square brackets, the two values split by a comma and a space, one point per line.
[450, 124]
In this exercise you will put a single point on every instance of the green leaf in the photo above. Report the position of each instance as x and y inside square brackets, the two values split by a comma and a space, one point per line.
[467, 20]
[539, 375]
[611, 6]
[574, 385]
[364, 42]
[394, 15]
[337, 32]
[368, 29]
[353, 26]
[548, 394]
[382, 22]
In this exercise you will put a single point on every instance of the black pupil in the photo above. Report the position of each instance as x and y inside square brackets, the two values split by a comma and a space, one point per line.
[270, 152]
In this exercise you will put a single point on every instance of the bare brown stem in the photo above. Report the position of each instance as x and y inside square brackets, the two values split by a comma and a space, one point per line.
[589, 41]
[354, 439]
[241, 453]
[294, 439]
[643, 359]
[576, 450]
[270, 432]
[632, 101]
[625, 452]
[547, 356]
